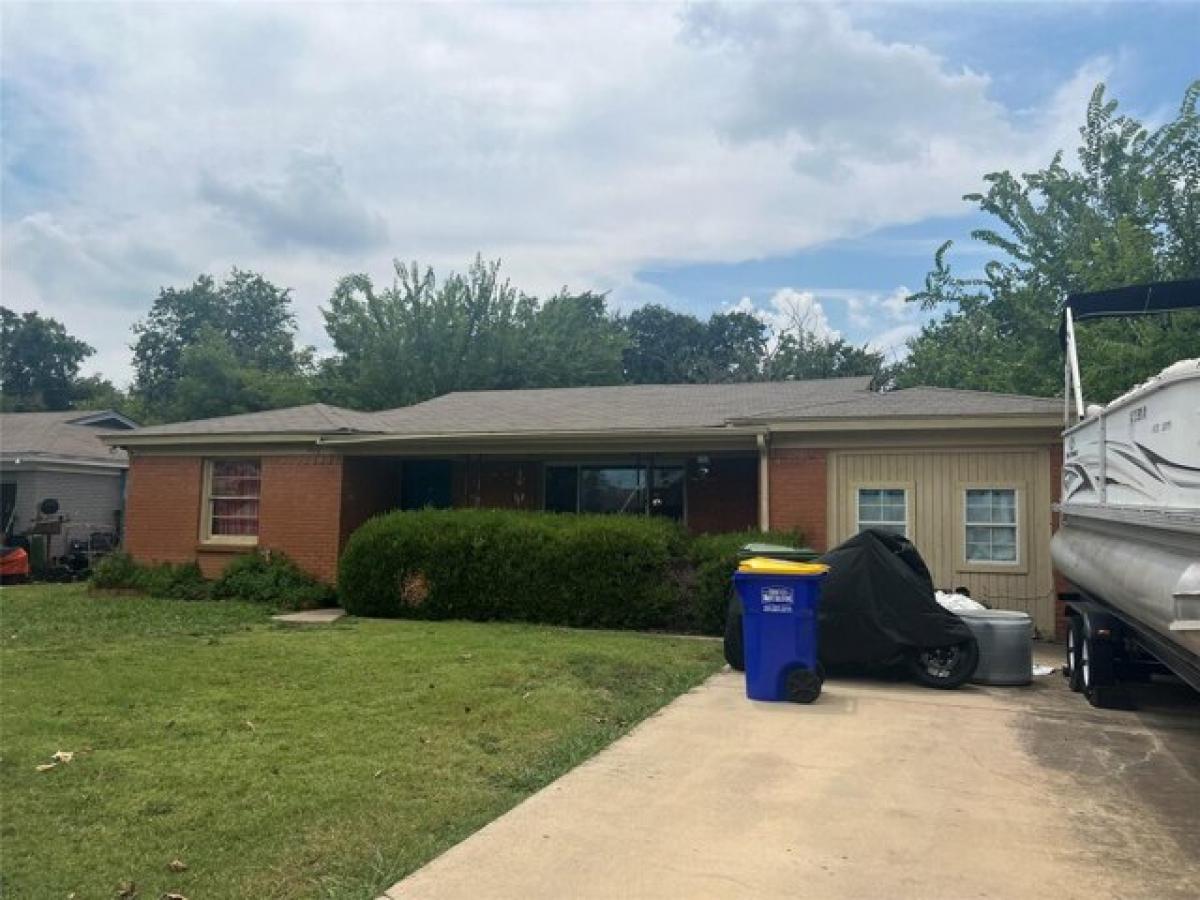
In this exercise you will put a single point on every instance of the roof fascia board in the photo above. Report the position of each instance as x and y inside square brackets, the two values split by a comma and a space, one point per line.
[923, 423]
[922, 441]
[608, 435]
[27, 463]
[133, 439]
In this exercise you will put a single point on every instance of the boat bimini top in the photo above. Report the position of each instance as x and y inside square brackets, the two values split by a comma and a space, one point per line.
[1132, 300]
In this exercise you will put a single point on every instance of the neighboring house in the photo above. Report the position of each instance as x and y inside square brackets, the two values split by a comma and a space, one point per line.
[969, 476]
[60, 456]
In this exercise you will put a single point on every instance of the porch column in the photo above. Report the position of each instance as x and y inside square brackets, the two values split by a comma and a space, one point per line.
[764, 484]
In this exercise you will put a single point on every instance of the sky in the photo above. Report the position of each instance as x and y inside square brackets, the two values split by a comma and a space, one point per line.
[787, 159]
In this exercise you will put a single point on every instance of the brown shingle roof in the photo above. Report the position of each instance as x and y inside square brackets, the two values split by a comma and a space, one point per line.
[314, 418]
[637, 407]
[914, 402]
[642, 407]
[58, 435]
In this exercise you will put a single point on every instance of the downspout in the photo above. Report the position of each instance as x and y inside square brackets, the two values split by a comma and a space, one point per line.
[764, 483]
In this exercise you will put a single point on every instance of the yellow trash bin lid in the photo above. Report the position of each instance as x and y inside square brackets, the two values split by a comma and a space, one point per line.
[762, 565]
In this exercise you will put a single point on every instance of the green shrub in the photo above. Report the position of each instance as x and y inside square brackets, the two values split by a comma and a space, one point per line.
[175, 581]
[712, 560]
[114, 572]
[593, 571]
[271, 578]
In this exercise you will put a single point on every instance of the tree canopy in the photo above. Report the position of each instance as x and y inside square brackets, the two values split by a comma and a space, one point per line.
[40, 364]
[423, 337]
[1128, 212]
[246, 321]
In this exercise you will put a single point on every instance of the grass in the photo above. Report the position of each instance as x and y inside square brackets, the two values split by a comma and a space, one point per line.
[279, 761]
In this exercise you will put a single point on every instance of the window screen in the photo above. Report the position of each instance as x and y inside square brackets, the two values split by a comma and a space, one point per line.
[885, 508]
[991, 525]
[233, 498]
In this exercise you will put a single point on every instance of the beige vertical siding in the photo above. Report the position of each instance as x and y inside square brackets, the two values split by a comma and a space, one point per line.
[936, 479]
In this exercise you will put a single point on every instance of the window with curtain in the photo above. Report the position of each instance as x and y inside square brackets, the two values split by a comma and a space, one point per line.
[232, 499]
[991, 525]
[884, 508]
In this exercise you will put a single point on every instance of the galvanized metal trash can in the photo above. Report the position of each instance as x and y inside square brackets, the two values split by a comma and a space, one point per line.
[1005, 645]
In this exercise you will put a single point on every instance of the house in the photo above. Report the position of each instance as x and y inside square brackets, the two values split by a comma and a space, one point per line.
[60, 456]
[969, 476]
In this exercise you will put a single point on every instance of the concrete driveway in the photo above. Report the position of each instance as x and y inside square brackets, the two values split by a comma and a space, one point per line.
[877, 790]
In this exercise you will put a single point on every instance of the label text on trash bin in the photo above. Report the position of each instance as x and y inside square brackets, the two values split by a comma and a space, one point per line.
[777, 599]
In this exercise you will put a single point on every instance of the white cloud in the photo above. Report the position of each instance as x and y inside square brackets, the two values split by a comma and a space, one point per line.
[146, 144]
[789, 309]
[892, 343]
[896, 303]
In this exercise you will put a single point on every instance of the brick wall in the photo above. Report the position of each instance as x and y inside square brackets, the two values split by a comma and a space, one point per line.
[299, 512]
[725, 500]
[798, 493]
[162, 508]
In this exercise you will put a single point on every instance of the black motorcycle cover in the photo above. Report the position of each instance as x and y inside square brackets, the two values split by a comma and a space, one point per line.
[878, 602]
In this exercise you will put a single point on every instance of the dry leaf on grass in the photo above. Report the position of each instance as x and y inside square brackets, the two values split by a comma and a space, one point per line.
[177, 865]
[126, 890]
[249, 725]
[173, 896]
[63, 756]
[46, 767]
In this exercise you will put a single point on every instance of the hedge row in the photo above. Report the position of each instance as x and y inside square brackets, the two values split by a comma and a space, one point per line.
[712, 560]
[590, 571]
[254, 577]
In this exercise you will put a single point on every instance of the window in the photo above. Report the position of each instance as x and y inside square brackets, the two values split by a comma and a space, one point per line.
[885, 508]
[231, 501]
[640, 489]
[991, 525]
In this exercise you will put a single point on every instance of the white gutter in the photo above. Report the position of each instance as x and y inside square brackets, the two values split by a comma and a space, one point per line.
[133, 439]
[330, 440]
[27, 461]
[764, 483]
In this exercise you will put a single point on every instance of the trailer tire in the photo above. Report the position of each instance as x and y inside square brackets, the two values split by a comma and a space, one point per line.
[1096, 672]
[1072, 669]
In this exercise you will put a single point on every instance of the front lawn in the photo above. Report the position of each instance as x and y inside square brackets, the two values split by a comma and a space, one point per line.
[283, 761]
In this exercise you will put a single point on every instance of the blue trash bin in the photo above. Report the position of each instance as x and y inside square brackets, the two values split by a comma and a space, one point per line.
[779, 628]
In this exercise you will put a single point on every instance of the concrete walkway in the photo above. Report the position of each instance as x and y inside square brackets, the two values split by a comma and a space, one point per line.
[877, 790]
[311, 616]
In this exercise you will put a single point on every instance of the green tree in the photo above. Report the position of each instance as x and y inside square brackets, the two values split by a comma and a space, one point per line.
[97, 392]
[249, 316]
[213, 381]
[668, 347]
[40, 366]
[418, 338]
[735, 344]
[472, 331]
[1129, 212]
[665, 347]
[571, 340]
[803, 355]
